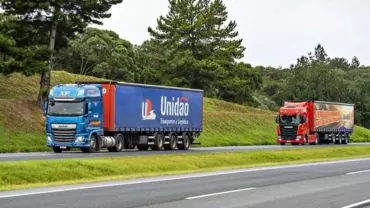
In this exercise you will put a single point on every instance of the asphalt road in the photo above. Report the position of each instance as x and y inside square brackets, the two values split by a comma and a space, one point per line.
[77, 154]
[329, 184]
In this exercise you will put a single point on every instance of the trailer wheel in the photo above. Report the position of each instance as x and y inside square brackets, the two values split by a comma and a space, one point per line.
[185, 142]
[173, 142]
[345, 139]
[57, 149]
[158, 142]
[339, 141]
[142, 147]
[119, 143]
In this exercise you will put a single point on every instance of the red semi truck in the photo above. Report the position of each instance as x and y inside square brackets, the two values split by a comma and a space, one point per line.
[314, 122]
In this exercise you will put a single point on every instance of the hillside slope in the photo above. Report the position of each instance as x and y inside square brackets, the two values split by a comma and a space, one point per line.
[21, 122]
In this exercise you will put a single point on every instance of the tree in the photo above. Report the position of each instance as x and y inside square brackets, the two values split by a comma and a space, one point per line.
[57, 18]
[16, 53]
[355, 63]
[320, 53]
[199, 43]
[339, 63]
[153, 62]
[241, 81]
[100, 53]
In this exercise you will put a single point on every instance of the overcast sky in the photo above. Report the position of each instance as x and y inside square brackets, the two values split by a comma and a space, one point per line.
[274, 32]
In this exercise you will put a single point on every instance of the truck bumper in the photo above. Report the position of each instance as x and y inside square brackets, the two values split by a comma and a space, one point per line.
[80, 141]
[291, 141]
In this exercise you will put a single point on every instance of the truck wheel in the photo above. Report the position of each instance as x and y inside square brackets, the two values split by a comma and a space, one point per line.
[142, 147]
[57, 149]
[326, 139]
[305, 140]
[339, 138]
[173, 143]
[316, 142]
[345, 139]
[185, 142]
[158, 142]
[119, 143]
[93, 145]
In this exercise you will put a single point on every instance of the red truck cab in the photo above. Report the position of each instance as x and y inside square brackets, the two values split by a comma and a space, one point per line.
[294, 124]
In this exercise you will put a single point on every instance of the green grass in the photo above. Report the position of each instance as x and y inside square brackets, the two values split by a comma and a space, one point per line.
[361, 134]
[225, 124]
[26, 174]
[17, 86]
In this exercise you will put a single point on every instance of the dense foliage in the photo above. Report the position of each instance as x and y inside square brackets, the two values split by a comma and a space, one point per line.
[52, 23]
[193, 45]
[100, 53]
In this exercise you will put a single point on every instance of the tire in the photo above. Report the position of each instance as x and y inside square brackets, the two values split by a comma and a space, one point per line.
[339, 139]
[316, 141]
[142, 147]
[345, 139]
[119, 143]
[57, 149]
[173, 142]
[93, 145]
[305, 141]
[185, 142]
[326, 139]
[282, 144]
[158, 142]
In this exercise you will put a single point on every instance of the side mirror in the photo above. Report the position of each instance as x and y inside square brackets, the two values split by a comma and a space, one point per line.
[45, 108]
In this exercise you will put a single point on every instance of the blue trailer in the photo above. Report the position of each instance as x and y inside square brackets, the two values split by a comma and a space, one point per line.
[117, 116]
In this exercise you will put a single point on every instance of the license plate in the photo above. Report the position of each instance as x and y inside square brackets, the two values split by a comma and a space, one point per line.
[288, 127]
[63, 147]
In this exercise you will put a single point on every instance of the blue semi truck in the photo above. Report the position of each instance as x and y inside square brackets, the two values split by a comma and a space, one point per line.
[113, 115]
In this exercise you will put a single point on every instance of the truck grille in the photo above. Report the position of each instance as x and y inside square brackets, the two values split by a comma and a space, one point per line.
[288, 132]
[64, 133]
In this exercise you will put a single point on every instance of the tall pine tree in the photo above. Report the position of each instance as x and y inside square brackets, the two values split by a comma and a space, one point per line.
[200, 42]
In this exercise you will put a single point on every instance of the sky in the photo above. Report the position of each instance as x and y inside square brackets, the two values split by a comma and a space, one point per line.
[274, 32]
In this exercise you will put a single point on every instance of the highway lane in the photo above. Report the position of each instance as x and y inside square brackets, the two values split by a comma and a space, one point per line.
[77, 154]
[328, 184]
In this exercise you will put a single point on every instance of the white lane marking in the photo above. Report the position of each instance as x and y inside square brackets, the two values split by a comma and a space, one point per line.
[219, 193]
[357, 204]
[357, 172]
[17, 193]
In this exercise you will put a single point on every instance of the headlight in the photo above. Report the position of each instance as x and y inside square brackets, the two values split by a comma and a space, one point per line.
[299, 137]
[49, 139]
[80, 139]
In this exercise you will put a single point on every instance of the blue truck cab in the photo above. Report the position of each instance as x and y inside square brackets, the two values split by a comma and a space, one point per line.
[73, 114]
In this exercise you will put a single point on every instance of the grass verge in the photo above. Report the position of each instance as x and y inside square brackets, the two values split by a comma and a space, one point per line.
[225, 124]
[27, 174]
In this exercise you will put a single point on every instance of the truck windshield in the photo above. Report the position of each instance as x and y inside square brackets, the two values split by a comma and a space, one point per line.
[289, 119]
[66, 108]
